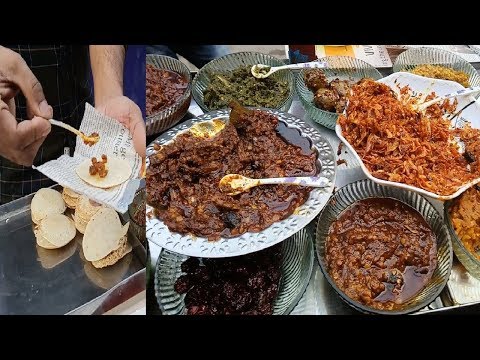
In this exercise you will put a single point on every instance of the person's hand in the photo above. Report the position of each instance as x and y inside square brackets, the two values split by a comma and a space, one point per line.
[21, 141]
[129, 114]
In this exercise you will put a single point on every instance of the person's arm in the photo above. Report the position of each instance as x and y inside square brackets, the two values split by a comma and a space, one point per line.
[107, 63]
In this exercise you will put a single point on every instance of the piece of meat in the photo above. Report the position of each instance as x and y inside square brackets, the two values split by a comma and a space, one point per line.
[342, 87]
[326, 99]
[315, 79]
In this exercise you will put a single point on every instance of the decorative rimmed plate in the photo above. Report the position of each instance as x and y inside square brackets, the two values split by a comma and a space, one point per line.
[423, 85]
[297, 265]
[189, 245]
[364, 189]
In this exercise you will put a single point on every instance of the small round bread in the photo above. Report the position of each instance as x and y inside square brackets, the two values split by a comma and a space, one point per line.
[70, 197]
[57, 229]
[46, 202]
[119, 171]
[102, 234]
[84, 211]
[42, 242]
[115, 255]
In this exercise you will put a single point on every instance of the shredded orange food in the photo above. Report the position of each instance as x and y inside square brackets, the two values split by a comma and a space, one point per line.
[399, 144]
[465, 215]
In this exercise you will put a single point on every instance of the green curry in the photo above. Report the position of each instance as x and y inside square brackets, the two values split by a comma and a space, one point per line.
[242, 86]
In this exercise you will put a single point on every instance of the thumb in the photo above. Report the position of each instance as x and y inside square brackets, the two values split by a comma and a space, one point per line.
[32, 90]
[29, 131]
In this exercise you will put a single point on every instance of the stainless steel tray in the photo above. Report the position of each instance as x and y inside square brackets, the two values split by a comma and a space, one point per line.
[38, 281]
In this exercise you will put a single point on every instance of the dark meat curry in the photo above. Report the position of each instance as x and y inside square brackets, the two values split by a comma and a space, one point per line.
[183, 177]
[381, 253]
[164, 88]
[243, 285]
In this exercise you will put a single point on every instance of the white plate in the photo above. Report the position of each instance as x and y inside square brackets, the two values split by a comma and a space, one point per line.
[159, 233]
[420, 84]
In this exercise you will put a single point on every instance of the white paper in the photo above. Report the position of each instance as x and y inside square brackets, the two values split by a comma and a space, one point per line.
[115, 140]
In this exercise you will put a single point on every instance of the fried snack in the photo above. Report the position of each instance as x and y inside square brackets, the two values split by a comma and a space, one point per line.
[399, 144]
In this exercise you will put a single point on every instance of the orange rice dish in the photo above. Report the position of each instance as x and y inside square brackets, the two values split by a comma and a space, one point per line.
[398, 144]
[465, 215]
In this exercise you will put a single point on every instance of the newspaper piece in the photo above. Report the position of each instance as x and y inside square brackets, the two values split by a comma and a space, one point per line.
[115, 141]
[464, 51]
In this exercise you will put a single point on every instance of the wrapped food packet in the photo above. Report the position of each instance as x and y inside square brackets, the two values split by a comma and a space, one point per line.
[115, 141]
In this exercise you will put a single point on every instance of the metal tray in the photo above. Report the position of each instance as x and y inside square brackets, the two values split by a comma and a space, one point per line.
[39, 281]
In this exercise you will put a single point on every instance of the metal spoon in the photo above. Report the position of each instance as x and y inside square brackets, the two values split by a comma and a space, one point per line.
[261, 71]
[89, 140]
[234, 184]
[463, 92]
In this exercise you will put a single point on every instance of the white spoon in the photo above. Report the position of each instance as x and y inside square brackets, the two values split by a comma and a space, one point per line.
[463, 92]
[261, 71]
[234, 184]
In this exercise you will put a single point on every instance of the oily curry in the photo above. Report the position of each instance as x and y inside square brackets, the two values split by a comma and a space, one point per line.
[183, 177]
[381, 252]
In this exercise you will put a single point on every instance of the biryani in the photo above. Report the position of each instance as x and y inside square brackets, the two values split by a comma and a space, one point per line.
[465, 215]
[441, 72]
[399, 144]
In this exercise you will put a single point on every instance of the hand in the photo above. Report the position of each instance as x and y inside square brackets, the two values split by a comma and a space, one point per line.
[21, 141]
[16, 76]
[129, 115]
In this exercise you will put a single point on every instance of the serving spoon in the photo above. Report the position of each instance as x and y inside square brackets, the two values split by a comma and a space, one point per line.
[261, 71]
[234, 184]
[462, 92]
[89, 140]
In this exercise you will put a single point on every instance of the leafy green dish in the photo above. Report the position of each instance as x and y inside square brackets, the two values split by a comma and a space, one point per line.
[242, 86]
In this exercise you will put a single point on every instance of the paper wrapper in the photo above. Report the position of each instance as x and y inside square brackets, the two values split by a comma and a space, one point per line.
[115, 140]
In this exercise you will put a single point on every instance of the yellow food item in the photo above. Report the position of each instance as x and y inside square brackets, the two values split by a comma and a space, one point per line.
[441, 72]
[465, 215]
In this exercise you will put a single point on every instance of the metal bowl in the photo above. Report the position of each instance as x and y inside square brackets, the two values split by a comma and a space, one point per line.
[413, 57]
[165, 119]
[297, 265]
[364, 189]
[341, 67]
[234, 61]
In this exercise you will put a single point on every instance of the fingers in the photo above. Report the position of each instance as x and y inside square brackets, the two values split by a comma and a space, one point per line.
[139, 138]
[32, 89]
[137, 129]
[21, 141]
[11, 107]
[30, 131]
[29, 153]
